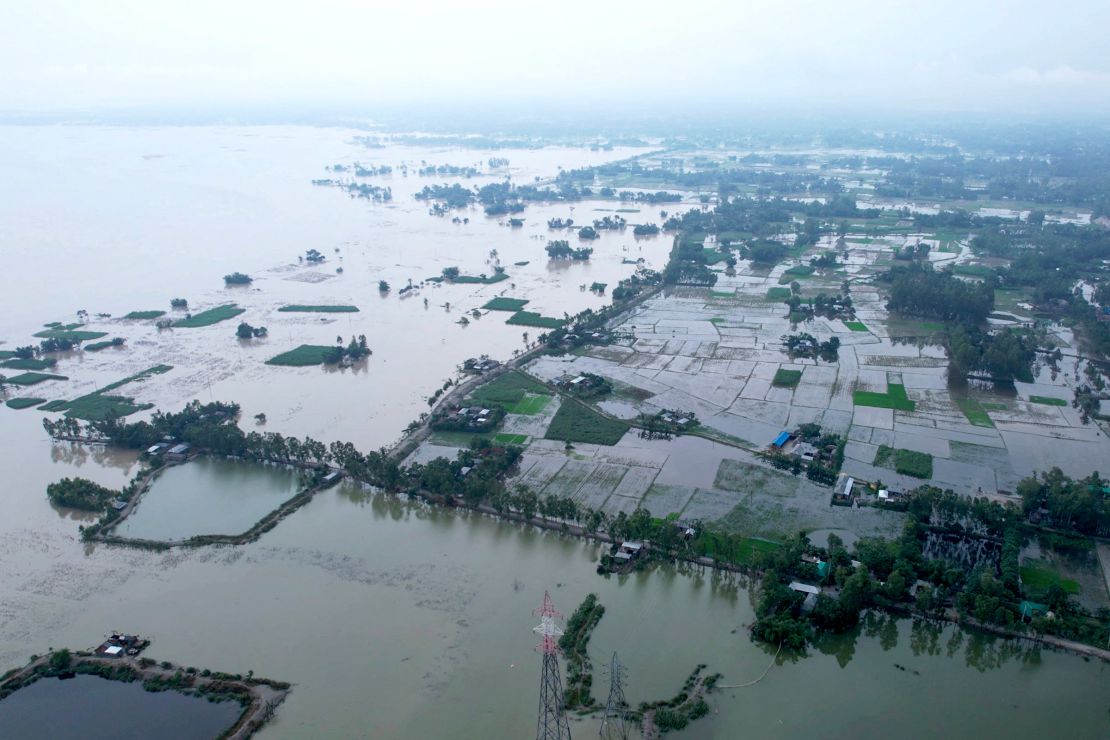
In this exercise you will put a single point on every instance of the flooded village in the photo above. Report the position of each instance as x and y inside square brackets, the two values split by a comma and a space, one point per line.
[669, 374]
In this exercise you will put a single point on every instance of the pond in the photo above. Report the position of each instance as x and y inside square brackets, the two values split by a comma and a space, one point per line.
[93, 708]
[208, 496]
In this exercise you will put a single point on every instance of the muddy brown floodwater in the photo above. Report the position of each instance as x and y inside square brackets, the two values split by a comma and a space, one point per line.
[390, 620]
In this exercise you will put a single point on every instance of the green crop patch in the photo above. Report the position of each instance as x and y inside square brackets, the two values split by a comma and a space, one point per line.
[481, 279]
[527, 318]
[894, 398]
[24, 403]
[302, 356]
[144, 314]
[99, 405]
[29, 363]
[209, 317]
[508, 389]
[575, 422]
[778, 294]
[911, 462]
[1038, 578]
[34, 378]
[1048, 400]
[786, 378]
[530, 404]
[975, 412]
[510, 439]
[72, 335]
[97, 346]
[505, 304]
[906, 462]
[856, 325]
[298, 308]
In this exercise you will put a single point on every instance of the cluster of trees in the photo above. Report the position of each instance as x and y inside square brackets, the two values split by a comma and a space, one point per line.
[610, 223]
[446, 170]
[1002, 355]
[179, 303]
[246, 331]
[80, 493]
[1076, 505]
[560, 223]
[314, 257]
[238, 278]
[587, 232]
[449, 196]
[371, 171]
[355, 350]
[687, 264]
[645, 230]
[806, 345]
[830, 306]
[559, 249]
[764, 252]
[918, 290]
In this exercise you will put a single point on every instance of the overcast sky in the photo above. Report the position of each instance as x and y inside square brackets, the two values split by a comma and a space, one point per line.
[885, 55]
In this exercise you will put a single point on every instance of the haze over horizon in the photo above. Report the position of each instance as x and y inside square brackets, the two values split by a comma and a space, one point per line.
[1022, 58]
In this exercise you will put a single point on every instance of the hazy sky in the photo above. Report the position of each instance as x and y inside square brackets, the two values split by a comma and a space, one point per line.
[886, 55]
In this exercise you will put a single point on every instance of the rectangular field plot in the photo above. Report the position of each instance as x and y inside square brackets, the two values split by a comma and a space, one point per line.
[636, 482]
[600, 484]
[568, 480]
[531, 403]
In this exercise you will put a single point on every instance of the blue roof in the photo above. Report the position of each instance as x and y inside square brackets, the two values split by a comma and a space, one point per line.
[782, 439]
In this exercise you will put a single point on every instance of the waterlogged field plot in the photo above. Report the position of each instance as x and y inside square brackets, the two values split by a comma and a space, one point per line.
[208, 496]
[528, 318]
[530, 403]
[24, 403]
[306, 355]
[102, 404]
[298, 308]
[209, 317]
[509, 389]
[34, 378]
[576, 422]
[144, 314]
[28, 363]
[505, 304]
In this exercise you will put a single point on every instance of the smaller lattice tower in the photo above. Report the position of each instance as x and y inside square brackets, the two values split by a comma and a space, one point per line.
[552, 723]
[615, 724]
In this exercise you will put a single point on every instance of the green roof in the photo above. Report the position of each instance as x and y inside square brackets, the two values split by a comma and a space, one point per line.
[1029, 608]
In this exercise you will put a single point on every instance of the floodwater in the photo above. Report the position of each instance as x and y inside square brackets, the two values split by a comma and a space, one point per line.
[124, 219]
[208, 496]
[92, 708]
[390, 620]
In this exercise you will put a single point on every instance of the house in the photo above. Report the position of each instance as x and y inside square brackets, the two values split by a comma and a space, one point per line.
[805, 451]
[842, 491]
[156, 448]
[118, 504]
[331, 478]
[810, 592]
[781, 440]
[178, 451]
[633, 549]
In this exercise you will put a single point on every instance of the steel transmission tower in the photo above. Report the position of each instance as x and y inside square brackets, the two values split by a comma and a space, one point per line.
[552, 723]
[615, 724]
